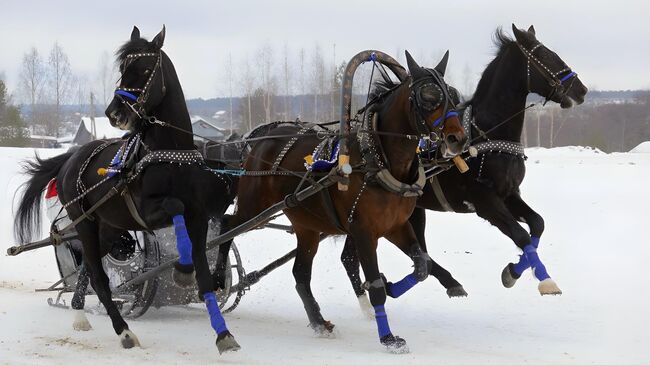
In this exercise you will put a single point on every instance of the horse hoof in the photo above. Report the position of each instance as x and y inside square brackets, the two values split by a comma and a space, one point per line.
[80, 321]
[394, 344]
[182, 279]
[129, 339]
[548, 287]
[324, 330]
[226, 343]
[456, 292]
[509, 277]
[366, 307]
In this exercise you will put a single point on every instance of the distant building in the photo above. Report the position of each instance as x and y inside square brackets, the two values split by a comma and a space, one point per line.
[102, 129]
[37, 141]
[203, 128]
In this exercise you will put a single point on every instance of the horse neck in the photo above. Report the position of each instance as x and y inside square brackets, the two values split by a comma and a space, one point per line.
[172, 110]
[500, 94]
[394, 118]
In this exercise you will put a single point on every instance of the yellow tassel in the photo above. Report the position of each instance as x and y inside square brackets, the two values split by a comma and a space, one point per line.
[102, 171]
[309, 159]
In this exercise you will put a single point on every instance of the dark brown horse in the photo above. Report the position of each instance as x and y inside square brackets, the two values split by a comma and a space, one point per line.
[366, 211]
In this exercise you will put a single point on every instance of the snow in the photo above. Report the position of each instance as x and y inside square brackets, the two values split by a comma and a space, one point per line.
[643, 147]
[595, 246]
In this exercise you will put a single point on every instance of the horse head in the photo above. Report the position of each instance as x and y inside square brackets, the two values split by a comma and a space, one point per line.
[433, 104]
[546, 73]
[142, 85]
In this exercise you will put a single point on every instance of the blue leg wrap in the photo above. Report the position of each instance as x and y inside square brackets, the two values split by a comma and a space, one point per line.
[530, 251]
[523, 263]
[216, 319]
[382, 321]
[394, 290]
[183, 243]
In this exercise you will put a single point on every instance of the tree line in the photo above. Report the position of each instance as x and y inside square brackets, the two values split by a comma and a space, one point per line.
[611, 126]
[47, 85]
[12, 127]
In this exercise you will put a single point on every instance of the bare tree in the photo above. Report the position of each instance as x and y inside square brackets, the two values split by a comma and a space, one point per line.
[301, 55]
[317, 77]
[333, 86]
[230, 88]
[32, 79]
[265, 57]
[468, 80]
[106, 77]
[248, 88]
[60, 84]
[287, 75]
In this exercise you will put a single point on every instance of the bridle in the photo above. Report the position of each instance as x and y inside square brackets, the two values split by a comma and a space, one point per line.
[137, 103]
[553, 78]
[422, 107]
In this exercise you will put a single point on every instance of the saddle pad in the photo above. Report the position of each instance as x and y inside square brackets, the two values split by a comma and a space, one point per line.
[325, 155]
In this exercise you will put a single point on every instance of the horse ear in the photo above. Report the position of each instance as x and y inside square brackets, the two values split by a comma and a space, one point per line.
[414, 69]
[519, 35]
[159, 39]
[135, 33]
[531, 30]
[442, 65]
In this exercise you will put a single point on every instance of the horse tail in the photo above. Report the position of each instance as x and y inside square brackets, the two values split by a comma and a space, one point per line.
[28, 215]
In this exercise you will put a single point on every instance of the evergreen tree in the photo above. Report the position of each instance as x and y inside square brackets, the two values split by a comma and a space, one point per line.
[12, 127]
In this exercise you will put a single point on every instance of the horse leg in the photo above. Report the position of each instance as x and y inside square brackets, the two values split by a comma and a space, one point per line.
[493, 209]
[526, 214]
[197, 229]
[184, 267]
[454, 288]
[302, 268]
[367, 250]
[350, 261]
[219, 275]
[404, 238]
[79, 300]
[89, 235]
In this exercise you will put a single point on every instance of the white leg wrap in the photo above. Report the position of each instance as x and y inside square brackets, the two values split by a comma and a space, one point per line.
[548, 287]
[129, 339]
[81, 321]
[366, 307]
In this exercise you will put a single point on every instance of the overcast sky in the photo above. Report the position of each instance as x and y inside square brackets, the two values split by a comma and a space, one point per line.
[606, 42]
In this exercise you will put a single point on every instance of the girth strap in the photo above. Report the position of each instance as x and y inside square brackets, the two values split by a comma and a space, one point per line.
[130, 204]
[440, 195]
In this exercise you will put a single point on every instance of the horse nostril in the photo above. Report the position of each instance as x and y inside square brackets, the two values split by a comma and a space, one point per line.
[451, 139]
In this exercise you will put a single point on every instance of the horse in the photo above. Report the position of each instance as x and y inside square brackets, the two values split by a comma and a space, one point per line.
[366, 210]
[153, 179]
[523, 65]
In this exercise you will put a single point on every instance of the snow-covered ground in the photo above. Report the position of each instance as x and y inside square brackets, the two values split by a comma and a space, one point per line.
[595, 246]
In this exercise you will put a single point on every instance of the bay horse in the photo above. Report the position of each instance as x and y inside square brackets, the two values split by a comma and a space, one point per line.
[418, 106]
[490, 189]
[157, 168]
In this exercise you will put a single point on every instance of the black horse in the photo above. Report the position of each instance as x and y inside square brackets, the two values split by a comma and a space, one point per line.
[491, 188]
[154, 179]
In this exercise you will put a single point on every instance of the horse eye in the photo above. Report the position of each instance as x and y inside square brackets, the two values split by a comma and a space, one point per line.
[147, 71]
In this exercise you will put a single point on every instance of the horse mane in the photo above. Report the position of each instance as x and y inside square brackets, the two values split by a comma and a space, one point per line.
[382, 86]
[132, 46]
[503, 42]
